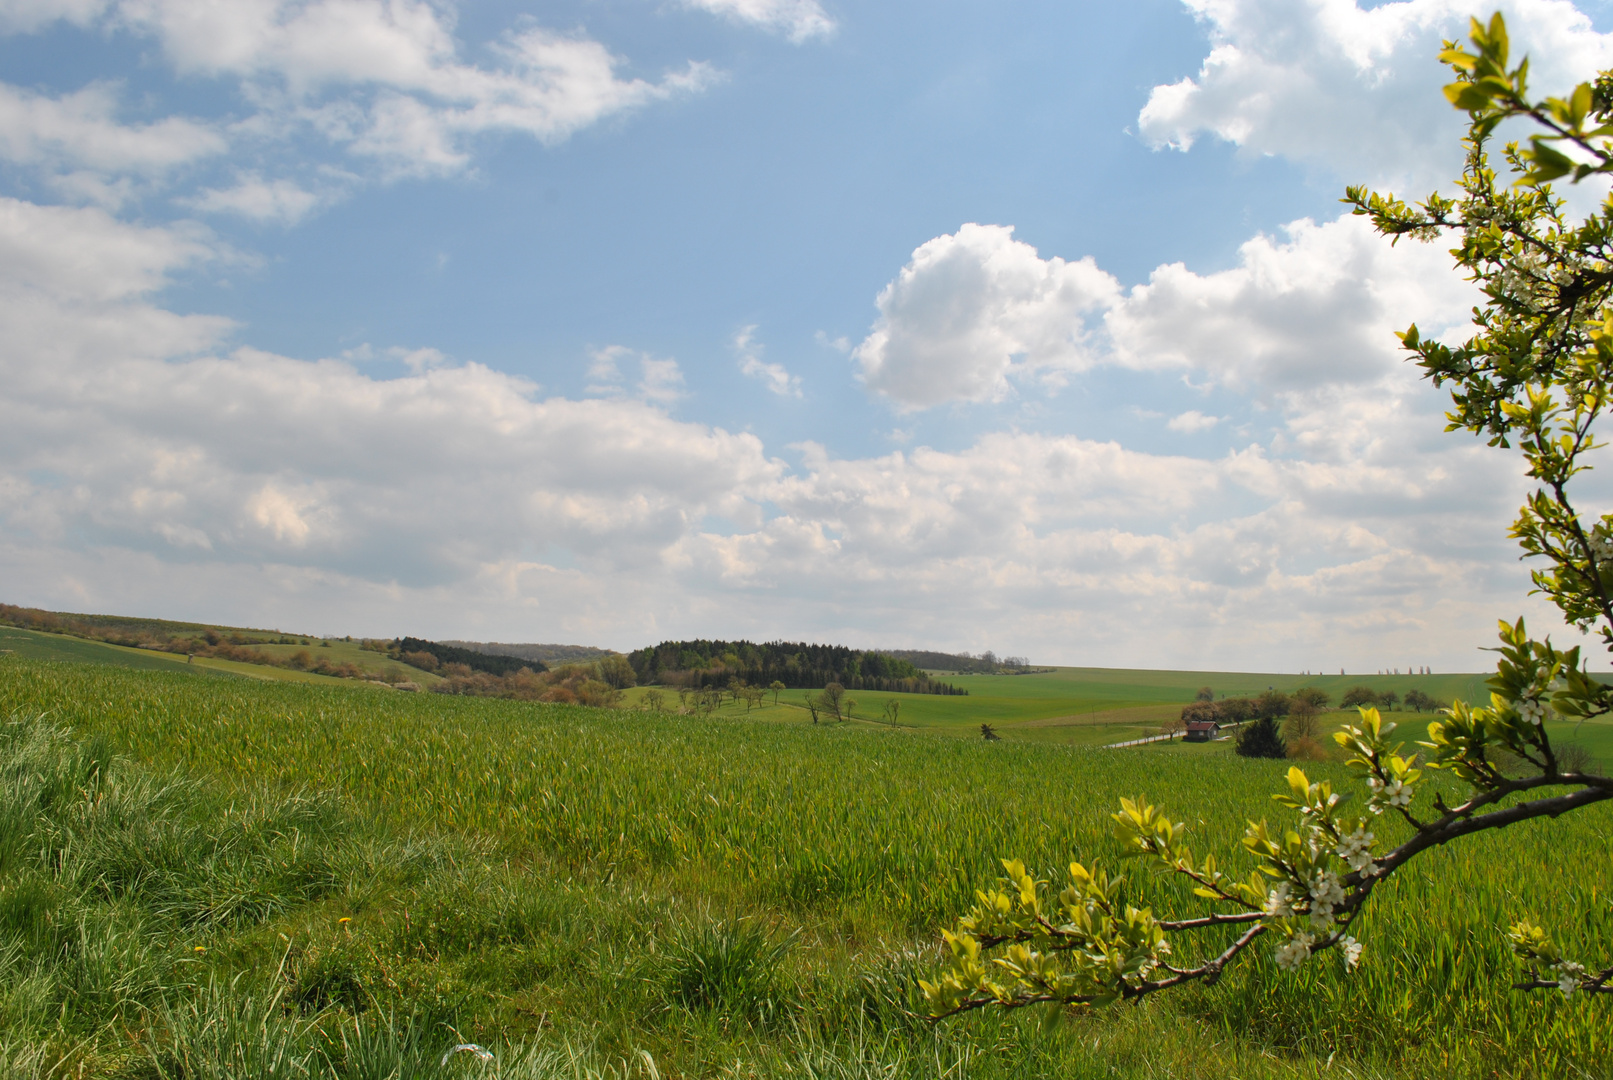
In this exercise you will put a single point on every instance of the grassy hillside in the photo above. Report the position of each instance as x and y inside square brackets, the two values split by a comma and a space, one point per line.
[580, 888]
[32, 645]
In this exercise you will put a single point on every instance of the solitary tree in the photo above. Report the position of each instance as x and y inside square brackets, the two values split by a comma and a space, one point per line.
[1272, 704]
[1312, 695]
[1357, 696]
[616, 671]
[1301, 722]
[1535, 376]
[776, 686]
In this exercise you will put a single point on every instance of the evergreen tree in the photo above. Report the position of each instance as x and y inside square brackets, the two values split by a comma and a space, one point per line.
[1261, 739]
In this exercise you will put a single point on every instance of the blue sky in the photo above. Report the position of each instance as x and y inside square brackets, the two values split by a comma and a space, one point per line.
[1025, 326]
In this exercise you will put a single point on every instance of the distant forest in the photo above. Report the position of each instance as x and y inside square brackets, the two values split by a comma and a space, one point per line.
[715, 664]
[442, 653]
[545, 654]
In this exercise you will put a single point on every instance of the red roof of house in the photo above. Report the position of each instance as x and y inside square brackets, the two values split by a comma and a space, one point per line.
[1203, 725]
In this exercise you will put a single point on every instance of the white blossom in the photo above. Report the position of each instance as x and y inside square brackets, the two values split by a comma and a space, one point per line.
[1356, 849]
[1351, 950]
[1294, 952]
[1532, 709]
[1569, 976]
[1326, 893]
[1391, 792]
[1602, 543]
[1280, 901]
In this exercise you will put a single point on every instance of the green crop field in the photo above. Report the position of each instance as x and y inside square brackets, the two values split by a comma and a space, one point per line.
[623, 893]
[1081, 706]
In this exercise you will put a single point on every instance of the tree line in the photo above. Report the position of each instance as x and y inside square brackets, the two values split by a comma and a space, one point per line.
[430, 655]
[702, 664]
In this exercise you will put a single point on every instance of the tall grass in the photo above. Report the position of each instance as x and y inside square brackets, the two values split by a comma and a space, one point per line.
[517, 872]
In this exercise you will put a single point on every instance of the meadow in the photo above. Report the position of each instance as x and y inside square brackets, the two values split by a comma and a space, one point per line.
[205, 875]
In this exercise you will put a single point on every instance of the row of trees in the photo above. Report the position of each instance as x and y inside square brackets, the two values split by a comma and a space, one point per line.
[183, 639]
[987, 663]
[833, 704]
[567, 684]
[709, 699]
[1273, 704]
[1415, 699]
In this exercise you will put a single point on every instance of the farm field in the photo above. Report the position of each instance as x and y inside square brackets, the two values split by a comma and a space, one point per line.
[577, 889]
[1078, 706]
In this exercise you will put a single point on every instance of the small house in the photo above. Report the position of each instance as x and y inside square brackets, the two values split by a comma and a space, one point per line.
[1202, 730]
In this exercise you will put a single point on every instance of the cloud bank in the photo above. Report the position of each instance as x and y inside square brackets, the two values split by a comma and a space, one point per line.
[149, 463]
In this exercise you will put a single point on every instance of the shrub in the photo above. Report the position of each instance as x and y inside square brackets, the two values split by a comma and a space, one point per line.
[1261, 740]
[1305, 748]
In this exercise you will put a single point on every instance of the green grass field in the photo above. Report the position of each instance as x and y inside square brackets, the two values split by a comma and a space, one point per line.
[1079, 706]
[593, 891]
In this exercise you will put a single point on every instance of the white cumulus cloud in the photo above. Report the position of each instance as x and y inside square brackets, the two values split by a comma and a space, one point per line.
[1355, 90]
[971, 309]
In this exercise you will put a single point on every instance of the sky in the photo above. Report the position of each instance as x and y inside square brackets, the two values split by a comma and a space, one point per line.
[1015, 325]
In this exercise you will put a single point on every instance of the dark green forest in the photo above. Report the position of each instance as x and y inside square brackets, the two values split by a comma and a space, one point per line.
[799, 666]
[476, 661]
